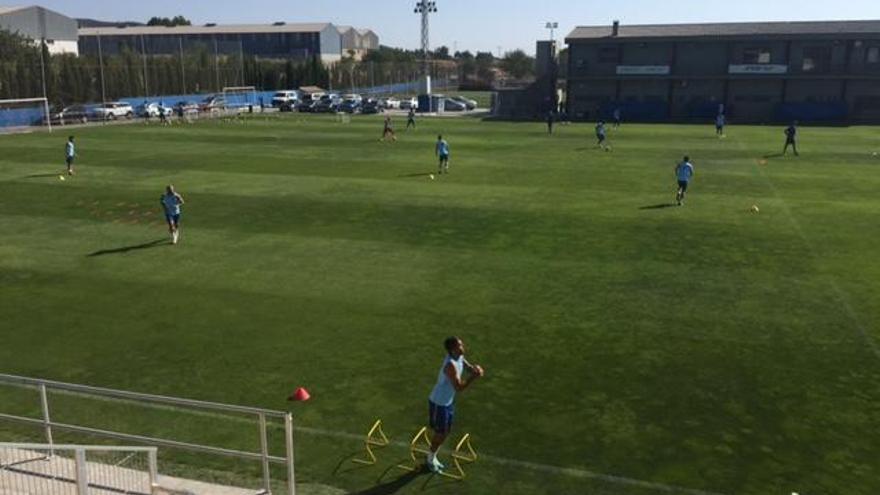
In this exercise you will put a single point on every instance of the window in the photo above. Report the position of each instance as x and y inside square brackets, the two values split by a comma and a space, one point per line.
[816, 59]
[873, 55]
[756, 56]
[608, 55]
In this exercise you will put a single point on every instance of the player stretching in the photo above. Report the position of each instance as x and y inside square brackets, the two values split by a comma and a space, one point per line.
[791, 138]
[442, 151]
[602, 136]
[389, 130]
[171, 202]
[411, 118]
[440, 404]
[720, 120]
[69, 155]
[684, 171]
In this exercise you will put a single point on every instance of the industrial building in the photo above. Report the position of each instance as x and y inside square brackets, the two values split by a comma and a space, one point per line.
[357, 41]
[753, 72]
[277, 41]
[38, 23]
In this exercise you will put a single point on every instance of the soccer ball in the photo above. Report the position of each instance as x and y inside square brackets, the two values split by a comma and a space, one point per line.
[431, 176]
[61, 177]
[755, 209]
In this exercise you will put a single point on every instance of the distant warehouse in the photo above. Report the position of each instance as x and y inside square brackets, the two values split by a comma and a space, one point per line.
[37, 23]
[753, 72]
[277, 41]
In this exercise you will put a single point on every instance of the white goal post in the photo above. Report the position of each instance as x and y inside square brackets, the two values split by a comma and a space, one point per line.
[239, 97]
[21, 113]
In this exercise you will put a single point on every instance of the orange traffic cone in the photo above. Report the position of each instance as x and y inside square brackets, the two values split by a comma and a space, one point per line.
[299, 395]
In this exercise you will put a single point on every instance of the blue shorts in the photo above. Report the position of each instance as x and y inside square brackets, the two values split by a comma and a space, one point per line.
[440, 417]
[683, 185]
[172, 219]
[444, 158]
[70, 160]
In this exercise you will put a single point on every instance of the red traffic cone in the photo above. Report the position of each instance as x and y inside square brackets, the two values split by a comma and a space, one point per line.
[299, 395]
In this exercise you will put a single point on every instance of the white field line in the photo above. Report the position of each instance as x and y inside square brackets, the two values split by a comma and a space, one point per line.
[505, 461]
[838, 293]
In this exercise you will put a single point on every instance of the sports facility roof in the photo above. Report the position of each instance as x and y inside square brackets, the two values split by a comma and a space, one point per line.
[11, 8]
[207, 29]
[727, 29]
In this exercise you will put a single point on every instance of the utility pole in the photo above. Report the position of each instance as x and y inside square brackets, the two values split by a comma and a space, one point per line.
[144, 56]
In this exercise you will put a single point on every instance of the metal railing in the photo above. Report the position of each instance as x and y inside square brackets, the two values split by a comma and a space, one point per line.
[260, 415]
[42, 469]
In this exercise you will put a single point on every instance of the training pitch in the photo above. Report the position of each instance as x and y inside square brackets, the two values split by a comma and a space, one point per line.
[631, 347]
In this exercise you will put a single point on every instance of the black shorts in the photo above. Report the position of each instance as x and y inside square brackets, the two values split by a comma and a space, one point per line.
[683, 185]
[790, 141]
[70, 160]
[600, 137]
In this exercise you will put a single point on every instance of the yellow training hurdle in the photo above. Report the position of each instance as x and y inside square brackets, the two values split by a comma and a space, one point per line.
[464, 453]
[375, 438]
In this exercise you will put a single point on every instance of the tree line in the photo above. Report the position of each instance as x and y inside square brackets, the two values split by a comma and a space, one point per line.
[71, 79]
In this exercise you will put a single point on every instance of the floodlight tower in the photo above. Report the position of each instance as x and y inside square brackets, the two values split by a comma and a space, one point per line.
[426, 8]
[552, 26]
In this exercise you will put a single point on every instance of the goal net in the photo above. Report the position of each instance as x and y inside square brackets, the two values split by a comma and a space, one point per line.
[23, 114]
[241, 98]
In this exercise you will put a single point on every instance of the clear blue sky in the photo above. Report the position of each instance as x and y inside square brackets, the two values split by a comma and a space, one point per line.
[469, 24]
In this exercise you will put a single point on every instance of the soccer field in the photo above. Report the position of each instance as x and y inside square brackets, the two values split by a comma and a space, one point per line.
[630, 347]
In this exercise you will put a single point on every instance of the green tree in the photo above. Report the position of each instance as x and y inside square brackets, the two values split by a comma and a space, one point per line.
[518, 64]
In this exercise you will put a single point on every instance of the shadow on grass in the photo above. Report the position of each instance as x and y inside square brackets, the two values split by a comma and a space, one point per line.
[425, 174]
[348, 460]
[126, 249]
[393, 486]
[774, 155]
[40, 176]
[657, 207]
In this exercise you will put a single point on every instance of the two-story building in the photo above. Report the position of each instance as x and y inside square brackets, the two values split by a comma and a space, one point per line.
[753, 72]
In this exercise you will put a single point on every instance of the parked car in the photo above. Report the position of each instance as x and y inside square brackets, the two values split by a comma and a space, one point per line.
[153, 110]
[353, 96]
[182, 108]
[407, 103]
[213, 103]
[112, 111]
[289, 106]
[287, 98]
[370, 106]
[307, 106]
[350, 106]
[329, 103]
[389, 103]
[469, 103]
[452, 105]
[74, 114]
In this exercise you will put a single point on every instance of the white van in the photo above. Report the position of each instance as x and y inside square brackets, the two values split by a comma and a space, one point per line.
[288, 97]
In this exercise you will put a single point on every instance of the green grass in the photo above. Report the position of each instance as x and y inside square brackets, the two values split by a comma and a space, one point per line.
[703, 347]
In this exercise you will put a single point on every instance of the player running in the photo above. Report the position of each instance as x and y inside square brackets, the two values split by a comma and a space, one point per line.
[720, 121]
[171, 202]
[442, 151]
[617, 117]
[440, 404]
[69, 155]
[411, 119]
[163, 118]
[684, 172]
[791, 138]
[602, 136]
[389, 130]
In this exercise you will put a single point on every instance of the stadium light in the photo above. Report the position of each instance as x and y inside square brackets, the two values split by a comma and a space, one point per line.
[425, 8]
[552, 26]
